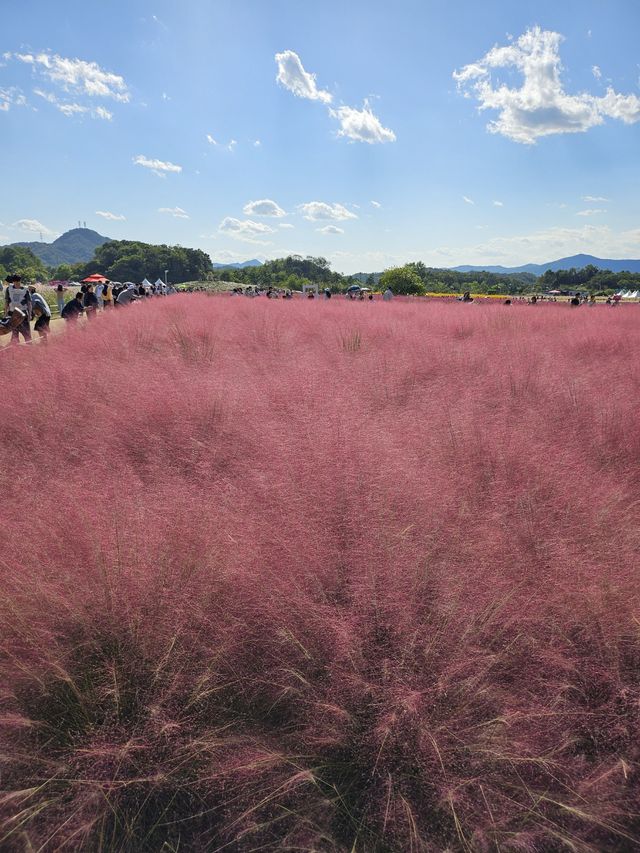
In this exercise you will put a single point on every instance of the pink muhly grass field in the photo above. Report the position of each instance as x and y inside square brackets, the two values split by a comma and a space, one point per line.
[322, 577]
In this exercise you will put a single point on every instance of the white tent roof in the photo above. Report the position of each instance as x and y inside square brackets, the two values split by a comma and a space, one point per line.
[159, 281]
[146, 282]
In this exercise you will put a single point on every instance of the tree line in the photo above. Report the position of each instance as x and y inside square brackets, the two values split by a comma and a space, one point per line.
[130, 260]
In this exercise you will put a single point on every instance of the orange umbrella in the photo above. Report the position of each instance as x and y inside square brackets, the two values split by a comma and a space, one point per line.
[96, 277]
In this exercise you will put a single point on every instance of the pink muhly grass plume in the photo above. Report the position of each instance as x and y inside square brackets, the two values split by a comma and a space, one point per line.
[322, 576]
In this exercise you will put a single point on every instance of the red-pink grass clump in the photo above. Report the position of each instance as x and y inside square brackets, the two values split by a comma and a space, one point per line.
[322, 577]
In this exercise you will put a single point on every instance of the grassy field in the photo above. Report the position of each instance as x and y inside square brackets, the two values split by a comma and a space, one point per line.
[322, 577]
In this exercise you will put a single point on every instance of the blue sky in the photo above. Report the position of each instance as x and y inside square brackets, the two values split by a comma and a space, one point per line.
[368, 132]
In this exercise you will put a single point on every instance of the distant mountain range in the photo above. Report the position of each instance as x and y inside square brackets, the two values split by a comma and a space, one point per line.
[79, 244]
[239, 266]
[576, 261]
[72, 247]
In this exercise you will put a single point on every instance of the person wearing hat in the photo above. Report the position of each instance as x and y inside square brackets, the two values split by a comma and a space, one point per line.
[18, 297]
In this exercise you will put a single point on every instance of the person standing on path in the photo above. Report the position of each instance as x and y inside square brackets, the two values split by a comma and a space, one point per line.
[17, 296]
[90, 302]
[107, 295]
[60, 289]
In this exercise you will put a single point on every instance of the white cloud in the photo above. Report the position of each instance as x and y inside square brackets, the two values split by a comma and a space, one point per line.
[498, 204]
[70, 109]
[362, 125]
[263, 207]
[257, 143]
[330, 229]
[158, 167]
[468, 200]
[114, 217]
[227, 257]
[32, 225]
[245, 229]
[286, 225]
[590, 212]
[597, 73]
[292, 76]
[230, 146]
[101, 112]
[77, 75]
[540, 106]
[11, 97]
[178, 212]
[316, 210]
[594, 198]
[541, 246]
[376, 204]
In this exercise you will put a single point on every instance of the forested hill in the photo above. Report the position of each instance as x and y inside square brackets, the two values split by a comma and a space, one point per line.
[72, 247]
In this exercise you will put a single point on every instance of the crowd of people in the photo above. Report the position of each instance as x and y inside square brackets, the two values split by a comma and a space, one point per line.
[23, 304]
[359, 293]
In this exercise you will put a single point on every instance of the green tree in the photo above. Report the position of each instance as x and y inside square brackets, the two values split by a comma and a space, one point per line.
[402, 280]
[64, 272]
[20, 260]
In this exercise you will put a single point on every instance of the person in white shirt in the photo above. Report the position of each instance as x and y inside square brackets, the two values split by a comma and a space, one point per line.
[17, 296]
[388, 295]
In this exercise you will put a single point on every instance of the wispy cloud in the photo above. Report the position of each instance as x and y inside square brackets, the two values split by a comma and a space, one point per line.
[77, 75]
[158, 167]
[594, 198]
[33, 226]
[318, 210]
[292, 75]
[540, 106]
[229, 146]
[468, 200]
[246, 230]
[113, 217]
[177, 212]
[498, 204]
[71, 108]
[590, 212]
[11, 97]
[376, 204]
[358, 125]
[362, 125]
[330, 229]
